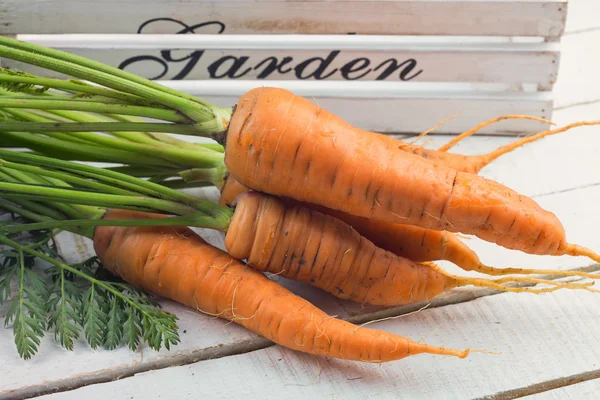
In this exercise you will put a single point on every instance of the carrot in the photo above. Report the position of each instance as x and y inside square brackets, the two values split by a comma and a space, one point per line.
[284, 145]
[309, 246]
[407, 241]
[177, 264]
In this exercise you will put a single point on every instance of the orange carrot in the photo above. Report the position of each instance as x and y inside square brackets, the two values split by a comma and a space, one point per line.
[309, 246]
[284, 145]
[411, 242]
[179, 265]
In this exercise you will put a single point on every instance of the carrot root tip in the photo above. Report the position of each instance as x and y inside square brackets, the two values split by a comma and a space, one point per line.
[577, 250]
[484, 269]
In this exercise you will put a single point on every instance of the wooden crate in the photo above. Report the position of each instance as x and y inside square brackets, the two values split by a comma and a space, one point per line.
[387, 65]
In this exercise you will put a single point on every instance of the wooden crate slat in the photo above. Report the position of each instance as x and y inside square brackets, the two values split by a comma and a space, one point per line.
[313, 58]
[394, 110]
[544, 18]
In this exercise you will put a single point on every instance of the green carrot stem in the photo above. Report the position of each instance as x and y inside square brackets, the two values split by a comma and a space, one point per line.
[72, 86]
[107, 176]
[182, 129]
[21, 177]
[200, 157]
[69, 196]
[88, 211]
[37, 207]
[78, 116]
[48, 115]
[142, 171]
[214, 175]
[31, 116]
[93, 71]
[24, 212]
[66, 177]
[49, 96]
[194, 220]
[82, 61]
[162, 137]
[151, 138]
[79, 151]
[181, 184]
[168, 200]
[70, 210]
[167, 139]
[91, 106]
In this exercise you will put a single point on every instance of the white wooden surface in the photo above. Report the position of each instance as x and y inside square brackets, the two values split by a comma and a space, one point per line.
[487, 17]
[543, 339]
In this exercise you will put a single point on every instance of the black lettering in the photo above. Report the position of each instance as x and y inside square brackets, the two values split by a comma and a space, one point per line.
[238, 62]
[351, 67]
[317, 73]
[410, 65]
[186, 28]
[274, 65]
[138, 59]
[193, 58]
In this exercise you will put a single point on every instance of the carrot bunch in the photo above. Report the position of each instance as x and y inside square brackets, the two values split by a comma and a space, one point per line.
[305, 195]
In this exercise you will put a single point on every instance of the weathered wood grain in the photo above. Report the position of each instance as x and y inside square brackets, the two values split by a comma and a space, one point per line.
[579, 65]
[544, 18]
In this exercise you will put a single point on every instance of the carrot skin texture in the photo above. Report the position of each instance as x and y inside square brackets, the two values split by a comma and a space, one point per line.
[286, 146]
[175, 263]
[408, 241]
[306, 245]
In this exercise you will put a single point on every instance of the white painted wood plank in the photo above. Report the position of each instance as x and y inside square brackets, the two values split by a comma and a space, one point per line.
[580, 391]
[577, 77]
[582, 16]
[279, 42]
[322, 58]
[389, 103]
[406, 17]
[539, 338]
[390, 115]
